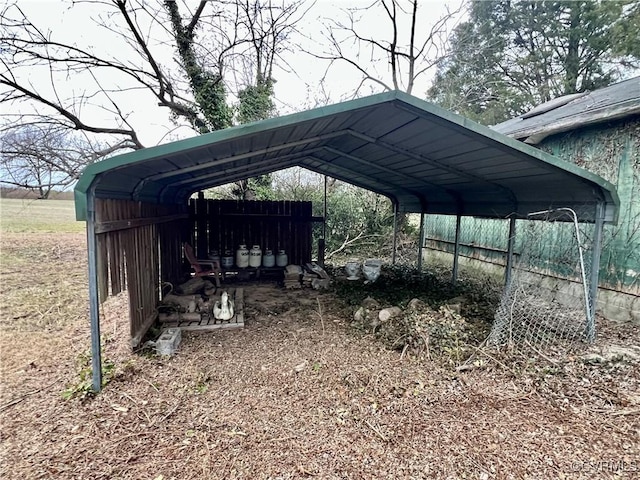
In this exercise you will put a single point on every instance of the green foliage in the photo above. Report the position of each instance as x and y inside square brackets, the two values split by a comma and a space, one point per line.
[256, 102]
[254, 188]
[513, 55]
[207, 87]
[83, 387]
[352, 212]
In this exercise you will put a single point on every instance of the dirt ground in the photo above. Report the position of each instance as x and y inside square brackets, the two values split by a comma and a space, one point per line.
[297, 393]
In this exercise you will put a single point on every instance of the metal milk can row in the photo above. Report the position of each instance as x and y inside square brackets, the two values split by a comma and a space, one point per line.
[254, 258]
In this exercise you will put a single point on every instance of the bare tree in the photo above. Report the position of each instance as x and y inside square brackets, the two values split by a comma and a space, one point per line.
[397, 58]
[44, 158]
[213, 41]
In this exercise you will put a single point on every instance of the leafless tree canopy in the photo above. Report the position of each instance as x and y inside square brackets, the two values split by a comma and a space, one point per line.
[44, 157]
[398, 57]
[183, 57]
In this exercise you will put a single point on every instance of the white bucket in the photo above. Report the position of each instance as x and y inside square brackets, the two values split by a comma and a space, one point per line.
[371, 269]
[352, 269]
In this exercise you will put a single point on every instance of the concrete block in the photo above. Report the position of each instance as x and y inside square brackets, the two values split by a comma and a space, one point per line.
[168, 341]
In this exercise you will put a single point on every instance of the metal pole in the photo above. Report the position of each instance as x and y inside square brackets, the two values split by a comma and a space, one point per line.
[510, 244]
[456, 250]
[395, 232]
[421, 242]
[322, 243]
[589, 308]
[595, 271]
[324, 211]
[94, 305]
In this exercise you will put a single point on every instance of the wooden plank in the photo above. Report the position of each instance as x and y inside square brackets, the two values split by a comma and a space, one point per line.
[239, 306]
[114, 266]
[217, 326]
[201, 228]
[102, 258]
[113, 225]
[272, 225]
[146, 325]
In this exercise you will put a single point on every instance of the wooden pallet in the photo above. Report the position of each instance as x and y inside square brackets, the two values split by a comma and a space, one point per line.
[197, 321]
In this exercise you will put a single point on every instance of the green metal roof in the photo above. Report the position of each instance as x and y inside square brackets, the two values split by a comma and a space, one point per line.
[421, 156]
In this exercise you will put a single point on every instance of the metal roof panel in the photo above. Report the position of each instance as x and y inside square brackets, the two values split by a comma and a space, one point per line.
[425, 158]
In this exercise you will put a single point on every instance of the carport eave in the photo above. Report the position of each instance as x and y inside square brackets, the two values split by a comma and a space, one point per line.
[91, 172]
[400, 100]
[513, 144]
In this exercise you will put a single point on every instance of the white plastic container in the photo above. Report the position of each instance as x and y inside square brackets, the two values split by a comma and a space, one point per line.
[242, 257]
[282, 260]
[268, 259]
[255, 256]
[352, 269]
[227, 259]
[371, 269]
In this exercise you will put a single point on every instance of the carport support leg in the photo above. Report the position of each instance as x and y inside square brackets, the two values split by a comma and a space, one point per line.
[322, 241]
[395, 233]
[510, 244]
[94, 306]
[595, 272]
[420, 242]
[456, 251]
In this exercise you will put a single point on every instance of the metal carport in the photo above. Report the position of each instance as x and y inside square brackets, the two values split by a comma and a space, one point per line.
[424, 158]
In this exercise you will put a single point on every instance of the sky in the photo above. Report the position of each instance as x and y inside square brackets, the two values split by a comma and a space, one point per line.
[297, 78]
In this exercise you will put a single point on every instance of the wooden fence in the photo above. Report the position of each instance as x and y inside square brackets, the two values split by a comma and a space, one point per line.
[138, 245]
[225, 224]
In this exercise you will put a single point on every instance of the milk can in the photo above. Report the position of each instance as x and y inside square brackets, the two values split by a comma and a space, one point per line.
[268, 259]
[227, 259]
[282, 260]
[255, 256]
[242, 257]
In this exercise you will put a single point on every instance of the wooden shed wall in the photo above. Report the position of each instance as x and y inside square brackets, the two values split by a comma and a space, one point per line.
[138, 246]
[276, 225]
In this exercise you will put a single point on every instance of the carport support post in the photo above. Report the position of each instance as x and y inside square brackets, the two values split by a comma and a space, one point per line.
[595, 271]
[324, 211]
[395, 232]
[322, 243]
[94, 306]
[510, 244]
[456, 251]
[420, 242]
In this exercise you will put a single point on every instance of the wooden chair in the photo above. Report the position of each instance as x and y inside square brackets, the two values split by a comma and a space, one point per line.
[200, 266]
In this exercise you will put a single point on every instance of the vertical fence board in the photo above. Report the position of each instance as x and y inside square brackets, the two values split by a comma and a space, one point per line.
[137, 259]
[274, 225]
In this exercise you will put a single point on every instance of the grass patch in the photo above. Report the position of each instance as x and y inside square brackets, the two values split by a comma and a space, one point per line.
[43, 280]
[49, 216]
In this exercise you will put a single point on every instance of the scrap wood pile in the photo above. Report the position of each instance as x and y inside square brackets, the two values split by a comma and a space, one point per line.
[195, 299]
[310, 275]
